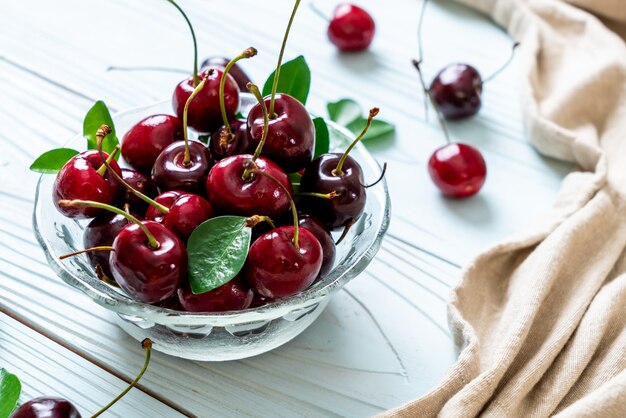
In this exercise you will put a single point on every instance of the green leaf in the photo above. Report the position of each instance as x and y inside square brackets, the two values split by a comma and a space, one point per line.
[99, 115]
[294, 79]
[52, 161]
[217, 250]
[204, 138]
[295, 179]
[378, 129]
[10, 388]
[344, 111]
[239, 115]
[322, 137]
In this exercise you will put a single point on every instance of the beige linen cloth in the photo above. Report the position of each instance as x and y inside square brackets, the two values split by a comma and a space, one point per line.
[540, 319]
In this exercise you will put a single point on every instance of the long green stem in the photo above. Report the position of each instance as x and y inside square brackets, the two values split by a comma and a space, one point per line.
[442, 122]
[248, 53]
[152, 242]
[195, 43]
[102, 132]
[338, 170]
[147, 346]
[103, 168]
[266, 121]
[187, 157]
[280, 58]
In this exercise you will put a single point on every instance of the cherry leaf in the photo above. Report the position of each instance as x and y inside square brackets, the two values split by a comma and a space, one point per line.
[378, 129]
[52, 161]
[344, 111]
[96, 116]
[10, 389]
[217, 250]
[322, 137]
[295, 179]
[294, 79]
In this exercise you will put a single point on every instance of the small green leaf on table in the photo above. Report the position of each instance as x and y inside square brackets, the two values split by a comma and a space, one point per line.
[378, 129]
[322, 137]
[52, 161]
[344, 111]
[10, 389]
[294, 80]
[217, 251]
[96, 116]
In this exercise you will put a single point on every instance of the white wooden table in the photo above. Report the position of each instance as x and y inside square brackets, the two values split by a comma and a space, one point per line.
[384, 339]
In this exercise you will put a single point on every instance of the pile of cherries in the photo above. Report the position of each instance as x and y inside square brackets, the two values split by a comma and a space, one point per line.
[142, 217]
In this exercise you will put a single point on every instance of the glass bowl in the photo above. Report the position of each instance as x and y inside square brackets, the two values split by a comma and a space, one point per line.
[225, 335]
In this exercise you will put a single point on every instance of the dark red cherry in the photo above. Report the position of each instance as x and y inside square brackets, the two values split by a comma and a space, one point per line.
[318, 229]
[349, 203]
[186, 212]
[290, 136]
[170, 173]
[259, 301]
[204, 110]
[229, 193]
[456, 90]
[458, 170]
[142, 184]
[351, 28]
[148, 275]
[143, 143]
[275, 268]
[232, 296]
[46, 407]
[239, 143]
[79, 179]
[171, 303]
[241, 78]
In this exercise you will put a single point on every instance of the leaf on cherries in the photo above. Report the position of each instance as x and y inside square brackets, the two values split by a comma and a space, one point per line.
[294, 80]
[96, 116]
[10, 389]
[204, 138]
[295, 179]
[50, 162]
[348, 113]
[217, 250]
[322, 137]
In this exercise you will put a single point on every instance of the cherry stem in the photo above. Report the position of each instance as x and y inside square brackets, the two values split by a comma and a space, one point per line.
[318, 11]
[328, 196]
[103, 277]
[153, 244]
[187, 157]
[337, 172]
[248, 53]
[102, 132]
[266, 121]
[382, 175]
[442, 122]
[344, 234]
[147, 346]
[506, 64]
[195, 43]
[254, 220]
[280, 58]
[103, 168]
[294, 211]
[420, 47]
[86, 250]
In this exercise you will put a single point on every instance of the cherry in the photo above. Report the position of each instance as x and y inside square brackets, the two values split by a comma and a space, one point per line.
[143, 143]
[351, 28]
[84, 177]
[140, 183]
[185, 212]
[171, 303]
[332, 185]
[46, 407]
[240, 77]
[318, 229]
[456, 90]
[231, 296]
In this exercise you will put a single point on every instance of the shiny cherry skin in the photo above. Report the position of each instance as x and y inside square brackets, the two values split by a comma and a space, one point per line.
[351, 28]
[457, 90]
[143, 143]
[241, 78]
[204, 113]
[317, 228]
[148, 275]
[275, 268]
[290, 136]
[141, 183]
[46, 407]
[319, 178]
[169, 172]
[171, 303]
[187, 211]
[239, 143]
[79, 179]
[458, 170]
[230, 194]
[232, 296]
